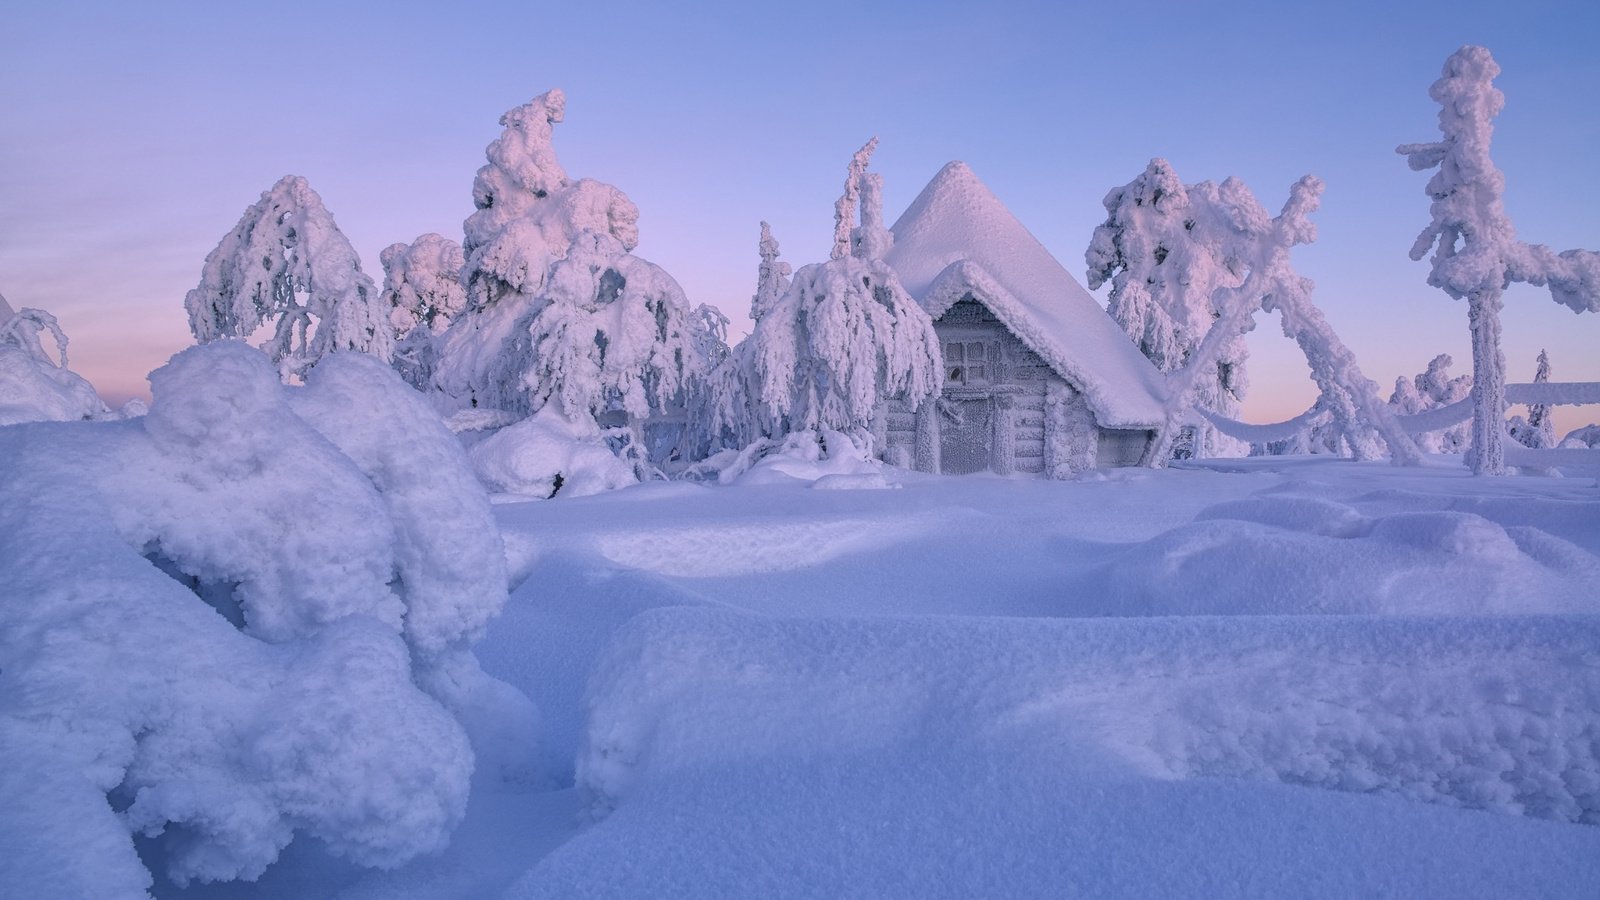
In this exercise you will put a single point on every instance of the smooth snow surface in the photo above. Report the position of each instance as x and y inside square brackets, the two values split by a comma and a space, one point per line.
[957, 221]
[1269, 677]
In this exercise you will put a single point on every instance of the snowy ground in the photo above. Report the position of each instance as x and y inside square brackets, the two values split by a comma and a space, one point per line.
[1274, 678]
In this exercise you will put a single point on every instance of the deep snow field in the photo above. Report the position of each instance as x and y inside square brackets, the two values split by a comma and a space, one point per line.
[1280, 677]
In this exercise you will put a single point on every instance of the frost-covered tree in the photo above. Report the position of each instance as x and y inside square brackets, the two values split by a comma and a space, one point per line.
[558, 308]
[1166, 249]
[286, 263]
[1432, 389]
[33, 385]
[731, 414]
[1539, 429]
[1476, 254]
[423, 292]
[1262, 245]
[843, 336]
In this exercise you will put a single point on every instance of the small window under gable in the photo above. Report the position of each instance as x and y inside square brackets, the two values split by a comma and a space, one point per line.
[968, 362]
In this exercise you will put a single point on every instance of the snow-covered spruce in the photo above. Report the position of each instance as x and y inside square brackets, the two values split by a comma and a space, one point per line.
[1263, 244]
[288, 265]
[422, 290]
[1167, 248]
[1476, 254]
[558, 309]
[267, 632]
[844, 336]
[1538, 430]
[33, 386]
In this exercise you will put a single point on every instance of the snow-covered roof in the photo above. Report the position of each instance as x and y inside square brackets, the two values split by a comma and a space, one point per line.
[958, 238]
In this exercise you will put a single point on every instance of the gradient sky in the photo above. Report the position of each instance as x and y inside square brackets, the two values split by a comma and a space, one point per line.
[134, 135]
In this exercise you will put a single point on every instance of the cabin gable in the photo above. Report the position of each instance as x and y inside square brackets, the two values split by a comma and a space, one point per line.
[1003, 409]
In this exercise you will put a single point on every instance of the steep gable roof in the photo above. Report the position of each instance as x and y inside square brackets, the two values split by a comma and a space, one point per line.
[958, 238]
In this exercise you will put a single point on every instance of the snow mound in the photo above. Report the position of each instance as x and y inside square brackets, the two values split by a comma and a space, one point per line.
[1286, 555]
[1585, 438]
[829, 459]
[1495, 714]
[549, 454]
[245, 615]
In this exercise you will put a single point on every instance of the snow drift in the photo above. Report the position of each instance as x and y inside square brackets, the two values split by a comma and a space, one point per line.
[246, 615]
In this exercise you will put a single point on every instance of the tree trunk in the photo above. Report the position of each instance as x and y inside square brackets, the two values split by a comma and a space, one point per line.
[1487, 454]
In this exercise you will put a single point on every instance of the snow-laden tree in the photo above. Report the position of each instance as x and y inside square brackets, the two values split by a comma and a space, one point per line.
[730, 414]
[1432, 389]
[1167, 249]
[287, 264]
[558, 308]
[1476, 254]
[1262, 245]
[1538, 430]
[843, 336]
[33, 385]
[423, 291]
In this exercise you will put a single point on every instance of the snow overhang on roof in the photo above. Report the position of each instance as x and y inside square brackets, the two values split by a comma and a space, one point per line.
[957, 239]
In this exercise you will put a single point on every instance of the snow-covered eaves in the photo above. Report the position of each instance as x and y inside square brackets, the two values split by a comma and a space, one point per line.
[957, 239]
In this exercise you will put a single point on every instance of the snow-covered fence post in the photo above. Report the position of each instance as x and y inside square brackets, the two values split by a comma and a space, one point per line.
[1476, 254]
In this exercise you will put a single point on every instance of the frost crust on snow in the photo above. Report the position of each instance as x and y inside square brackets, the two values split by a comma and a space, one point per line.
[246, 615]
[1489, 714]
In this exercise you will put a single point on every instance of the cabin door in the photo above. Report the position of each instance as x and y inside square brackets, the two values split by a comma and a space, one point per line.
[966, 436]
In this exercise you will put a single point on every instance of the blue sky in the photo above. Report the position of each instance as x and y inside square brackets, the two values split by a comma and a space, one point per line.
[134, 137]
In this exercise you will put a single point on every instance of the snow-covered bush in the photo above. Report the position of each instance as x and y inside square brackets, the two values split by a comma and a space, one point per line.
[844, 336]
[558, 308]
[828, 459]
[1167, 248]
[1585, 438]
[422, 290]
[1432, 389]
[287, 263]
[549, 454]
[34, 387]
[246, 615]
[1476, 254]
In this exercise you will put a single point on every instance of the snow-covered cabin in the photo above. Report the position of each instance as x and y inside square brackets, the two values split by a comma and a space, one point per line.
[1037, 377]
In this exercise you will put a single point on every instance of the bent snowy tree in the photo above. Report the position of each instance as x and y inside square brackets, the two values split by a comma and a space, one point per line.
[286, 262]
[1165, 250]
[1263, 245]
[1476, 254]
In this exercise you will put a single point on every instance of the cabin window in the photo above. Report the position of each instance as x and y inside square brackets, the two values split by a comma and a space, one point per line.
[968, 362]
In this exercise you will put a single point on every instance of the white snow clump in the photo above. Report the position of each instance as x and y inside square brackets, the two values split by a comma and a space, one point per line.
[246, 615]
